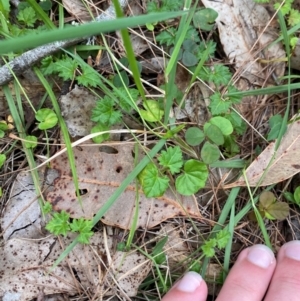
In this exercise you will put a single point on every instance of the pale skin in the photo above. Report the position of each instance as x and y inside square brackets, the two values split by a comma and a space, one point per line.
[255, 276]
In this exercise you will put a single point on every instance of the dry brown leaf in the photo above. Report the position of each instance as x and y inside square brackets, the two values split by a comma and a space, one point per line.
[21, 216]
[175, 248]
[284, 165]
[77, 9]
[100, 173]
[139, 44]
[76, 108]
[295, 58]
[244, 30]
[25, 269]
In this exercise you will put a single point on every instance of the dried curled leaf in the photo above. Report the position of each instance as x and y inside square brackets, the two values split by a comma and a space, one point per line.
[284, 165]
[100, 173]
[76, 108]
[244, 28]
[26, 268]
[22, 216]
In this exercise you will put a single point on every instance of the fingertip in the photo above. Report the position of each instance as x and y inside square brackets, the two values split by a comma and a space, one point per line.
[191, 287]
[189, 283]
[261, 256]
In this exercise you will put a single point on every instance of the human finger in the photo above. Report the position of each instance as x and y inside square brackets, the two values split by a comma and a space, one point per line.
[250, 276]
[285, 284]
[190, 288]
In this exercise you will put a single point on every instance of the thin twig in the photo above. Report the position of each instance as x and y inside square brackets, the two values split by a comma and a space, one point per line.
[31, 57]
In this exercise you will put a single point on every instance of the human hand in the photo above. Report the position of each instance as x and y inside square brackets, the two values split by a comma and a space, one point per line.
[254, 275]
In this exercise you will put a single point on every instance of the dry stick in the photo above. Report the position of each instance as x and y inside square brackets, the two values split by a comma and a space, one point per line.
[31, 57]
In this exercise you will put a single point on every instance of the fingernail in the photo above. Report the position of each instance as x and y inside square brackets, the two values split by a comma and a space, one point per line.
[292, 250]
[189, 283]
[261, 256]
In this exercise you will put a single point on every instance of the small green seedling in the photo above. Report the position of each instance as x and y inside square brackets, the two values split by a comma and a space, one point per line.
[219, 242]
[157, 253]
[188, 53]
[210, 153]
[194, 136]
[100, 128]
[190, 175]
[217, 131]
[3, 128]
[204, 19]
[275, 123]
[152, 112]
[122, 78]
[68, 69]
[293, 197]
[47, 208]
[31, 142]
[162, 6]
[2, 159]
[27, 16]
[270, 208]
[109, 110]
[60, 225]
[47, 119]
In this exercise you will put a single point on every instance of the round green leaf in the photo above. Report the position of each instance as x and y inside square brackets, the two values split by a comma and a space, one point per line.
[297, 195]
[123, 61]
[194, 136]
[223, 124]
[266, 199]
[153, 184]
[268, 216]
[150, 26]
[179, 57]
[190, 46]
[193, 178]
[278, 210]
[153, 112]
[210, 153]
[289, 197]
[3, 125]
[47, 119]
[2, 159]
[189, 59]
[100, 128]
[205, 18]
[46, 5]
[117, 79]
[213, 133]
[31, 142]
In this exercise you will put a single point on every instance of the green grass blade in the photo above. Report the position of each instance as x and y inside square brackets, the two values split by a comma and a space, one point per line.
[231, 163]
[21, 131]
[86, 30]
[265, 91]
[290, 32]
[61, 20]
[288, 52]
[137, 199]
[257, 214]
[228, 247]
[170, 72]
[64, 130]
[221, 222]
[130, 52]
